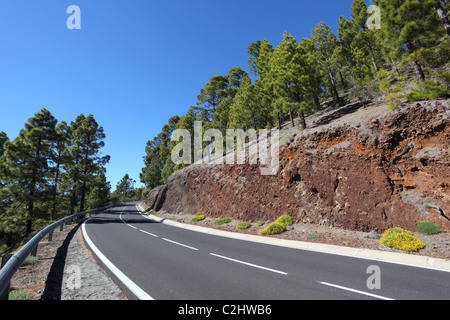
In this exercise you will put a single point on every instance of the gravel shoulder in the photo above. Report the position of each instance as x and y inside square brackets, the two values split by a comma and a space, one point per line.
[65, 270]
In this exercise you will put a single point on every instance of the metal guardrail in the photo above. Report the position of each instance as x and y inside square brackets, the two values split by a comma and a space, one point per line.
[11, 263]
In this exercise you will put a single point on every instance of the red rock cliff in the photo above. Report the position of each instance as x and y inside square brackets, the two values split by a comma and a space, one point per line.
[389, 170]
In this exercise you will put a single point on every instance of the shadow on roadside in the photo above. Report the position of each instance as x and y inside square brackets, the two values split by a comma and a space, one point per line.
[53, 284]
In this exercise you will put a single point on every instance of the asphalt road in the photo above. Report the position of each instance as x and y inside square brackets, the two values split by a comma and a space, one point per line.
[157, 261]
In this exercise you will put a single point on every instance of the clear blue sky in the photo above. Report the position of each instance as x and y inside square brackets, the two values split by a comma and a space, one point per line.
[134, 63]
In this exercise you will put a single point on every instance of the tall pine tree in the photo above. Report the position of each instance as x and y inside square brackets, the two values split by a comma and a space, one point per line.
[26, 170]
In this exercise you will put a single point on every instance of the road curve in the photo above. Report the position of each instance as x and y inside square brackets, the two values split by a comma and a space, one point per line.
[153, 260]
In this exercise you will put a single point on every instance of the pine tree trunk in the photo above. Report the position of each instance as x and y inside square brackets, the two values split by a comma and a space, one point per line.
[316, 101]
[344, 85]
[291, 117]
[302, 121]
[29, 221]
[82, 196]
[419, 73]
[333, 83]
[443, 16]
[374, 62]
[279, 120]
[55, 192]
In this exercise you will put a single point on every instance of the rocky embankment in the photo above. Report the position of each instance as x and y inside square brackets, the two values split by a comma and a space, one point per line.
[356, 167]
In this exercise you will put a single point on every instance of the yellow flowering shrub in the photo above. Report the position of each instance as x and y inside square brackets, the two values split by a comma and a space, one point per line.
[401, 239]
[284, 220]
[243, 225]
[198, 217]
[278, 226]
[273, 228]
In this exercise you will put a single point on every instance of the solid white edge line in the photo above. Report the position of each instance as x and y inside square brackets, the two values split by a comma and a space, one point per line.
[355, 291]
[141, 294]
[180, 244]
[249, 264]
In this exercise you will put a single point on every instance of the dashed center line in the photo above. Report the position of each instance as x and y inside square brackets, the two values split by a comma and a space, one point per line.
[150, 234]
[250, 264]
[355, 291]
[180, 244]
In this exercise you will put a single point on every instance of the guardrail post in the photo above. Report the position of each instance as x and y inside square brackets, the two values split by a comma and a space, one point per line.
[34, 252]
[5, 294]
[50, 236]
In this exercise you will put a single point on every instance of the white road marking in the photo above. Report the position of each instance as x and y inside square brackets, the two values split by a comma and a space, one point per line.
[151, 234]
[120, 216]
[180, 244]
[249, 264]
[141, 294]
[356, 291]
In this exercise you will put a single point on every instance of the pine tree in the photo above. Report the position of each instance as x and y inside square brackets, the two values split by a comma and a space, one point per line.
[294, 78]
[260, 64]
[243, 111]
[325, 42]
[26, 170]
[210, 96]
[3, 139]
[87, 140]
[442, 8]
[358, 45]
[412, 29]
[125, 188]
[60, 158]
[99, 195]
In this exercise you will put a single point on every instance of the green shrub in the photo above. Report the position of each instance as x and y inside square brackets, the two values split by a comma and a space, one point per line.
[222, 221]
[391, 85]
[18, 295]
[260, 223]
[243, 225]
[431, 90]
[401, 239]
[427, 227]
[313, 236]
[30, 260]
[198, 217]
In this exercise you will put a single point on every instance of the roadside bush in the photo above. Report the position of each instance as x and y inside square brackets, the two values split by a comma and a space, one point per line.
[284, 220]
[222, 221]
[30, 260]
[18, 295]
[198, 217]
[243, 225]
[278, 226]
[427, 227]
[401, 239]
[432, 90]
[273, 228]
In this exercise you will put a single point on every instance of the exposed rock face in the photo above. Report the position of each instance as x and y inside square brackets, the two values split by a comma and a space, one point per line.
[394, 170]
